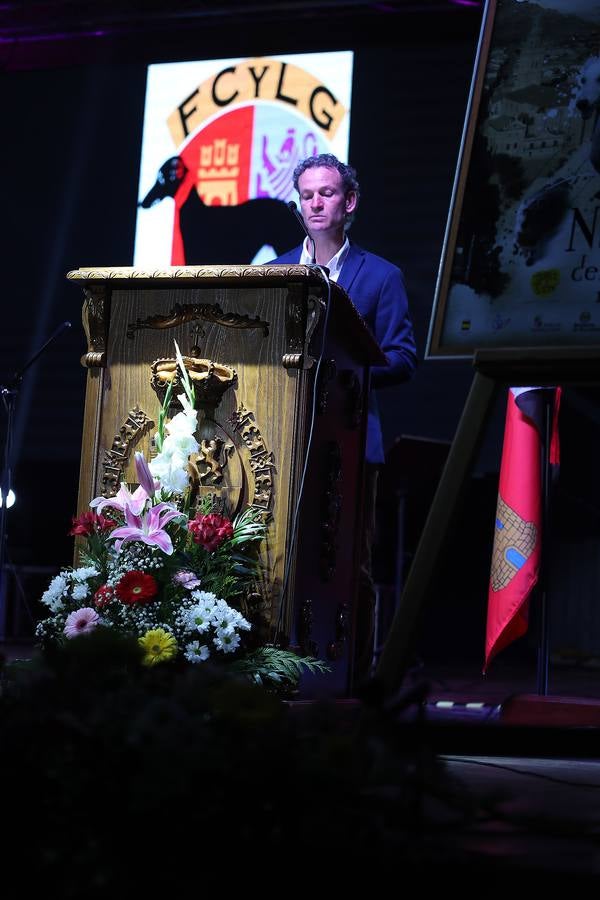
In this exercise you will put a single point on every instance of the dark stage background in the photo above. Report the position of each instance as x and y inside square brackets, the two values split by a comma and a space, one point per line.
[72, 117]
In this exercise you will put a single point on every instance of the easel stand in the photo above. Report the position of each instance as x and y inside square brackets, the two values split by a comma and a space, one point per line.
[494, 369]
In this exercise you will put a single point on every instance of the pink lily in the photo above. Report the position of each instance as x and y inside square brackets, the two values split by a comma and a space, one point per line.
[148, 528]
[145, 477]
[123, 500]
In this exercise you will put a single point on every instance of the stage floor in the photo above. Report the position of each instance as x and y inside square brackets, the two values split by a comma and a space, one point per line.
[519, 800]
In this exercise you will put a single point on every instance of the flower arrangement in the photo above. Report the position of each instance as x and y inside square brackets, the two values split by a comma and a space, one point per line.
[171, 577]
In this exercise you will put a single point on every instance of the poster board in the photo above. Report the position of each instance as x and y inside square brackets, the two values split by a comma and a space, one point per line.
[520, 264]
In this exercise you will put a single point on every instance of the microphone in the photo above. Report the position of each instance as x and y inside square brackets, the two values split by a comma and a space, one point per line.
[294, 209]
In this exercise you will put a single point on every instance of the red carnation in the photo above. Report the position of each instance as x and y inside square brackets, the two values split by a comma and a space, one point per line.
[210, 531]
[136, 587]
[103, 596]
[89, 523]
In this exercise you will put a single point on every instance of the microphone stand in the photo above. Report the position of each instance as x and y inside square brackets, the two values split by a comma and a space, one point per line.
[9, 393]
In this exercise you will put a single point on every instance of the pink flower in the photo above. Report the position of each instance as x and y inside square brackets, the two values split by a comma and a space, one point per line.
[148, 528]
[82, 621]
[123, 500]
[146, 479]
[186, 579]
[210, 531]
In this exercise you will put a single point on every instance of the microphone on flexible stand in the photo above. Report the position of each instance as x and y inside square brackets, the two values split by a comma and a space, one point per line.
[294, 209]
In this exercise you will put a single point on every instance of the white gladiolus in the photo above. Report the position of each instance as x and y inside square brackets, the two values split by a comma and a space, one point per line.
[170, 466]
[171, 471]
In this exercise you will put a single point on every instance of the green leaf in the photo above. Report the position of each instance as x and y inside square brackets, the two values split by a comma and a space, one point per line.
[162, 417]
[185, 377]
[277, 665]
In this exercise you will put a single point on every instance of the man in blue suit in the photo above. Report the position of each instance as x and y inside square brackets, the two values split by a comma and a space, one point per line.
[329, 193]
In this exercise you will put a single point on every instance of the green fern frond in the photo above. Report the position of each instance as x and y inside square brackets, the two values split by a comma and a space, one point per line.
[271, 664]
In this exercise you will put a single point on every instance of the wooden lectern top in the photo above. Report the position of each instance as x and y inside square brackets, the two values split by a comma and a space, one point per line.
[343, 310]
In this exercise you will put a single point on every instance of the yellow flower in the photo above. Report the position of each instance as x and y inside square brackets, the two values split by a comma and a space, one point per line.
[158, 646]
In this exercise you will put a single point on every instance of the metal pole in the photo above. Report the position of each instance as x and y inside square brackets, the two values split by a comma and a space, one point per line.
[544, 620]
[9, 397]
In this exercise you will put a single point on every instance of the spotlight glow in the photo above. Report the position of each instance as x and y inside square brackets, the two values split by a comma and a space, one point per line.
[10, 500]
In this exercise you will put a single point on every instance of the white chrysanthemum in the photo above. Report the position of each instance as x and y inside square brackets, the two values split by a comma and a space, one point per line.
[80, 591]
[227, 619]
[241, 622]
[56, 591]
[199, 617]
[205, 597]
[83, 573]
[196, 652]
[226, 643]
[224, 626]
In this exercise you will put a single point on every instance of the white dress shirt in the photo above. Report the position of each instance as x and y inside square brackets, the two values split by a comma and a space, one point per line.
[335, 263]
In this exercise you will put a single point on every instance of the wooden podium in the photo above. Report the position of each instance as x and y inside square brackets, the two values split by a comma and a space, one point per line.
[283, 359]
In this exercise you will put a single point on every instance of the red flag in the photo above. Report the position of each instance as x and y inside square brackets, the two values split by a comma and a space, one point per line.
[517, 535]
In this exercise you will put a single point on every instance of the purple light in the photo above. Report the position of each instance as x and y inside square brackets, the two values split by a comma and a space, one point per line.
[466, 2]
[56, 36]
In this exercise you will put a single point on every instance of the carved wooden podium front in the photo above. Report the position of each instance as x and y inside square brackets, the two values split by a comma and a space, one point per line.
[251, 337]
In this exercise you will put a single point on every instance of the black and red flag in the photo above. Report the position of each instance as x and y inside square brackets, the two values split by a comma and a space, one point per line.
[517, 544]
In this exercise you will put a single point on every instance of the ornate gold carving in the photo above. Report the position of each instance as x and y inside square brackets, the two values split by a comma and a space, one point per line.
[315, 307]
[331, 511]
[326, 375]
[216, 470]
[95, 316]
[272, 274]
[210, 379]
[261, 459]
[295, 328]
[212, 459]
[115, 459]
[354, 397]
[337, 647]
[209, 312]
[206, 468]
[307, 646]
[302, 316]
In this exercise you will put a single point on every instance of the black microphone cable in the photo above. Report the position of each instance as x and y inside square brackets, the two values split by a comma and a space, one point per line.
[296, 517]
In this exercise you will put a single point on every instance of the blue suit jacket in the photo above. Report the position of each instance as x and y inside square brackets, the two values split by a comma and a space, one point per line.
[376, 287]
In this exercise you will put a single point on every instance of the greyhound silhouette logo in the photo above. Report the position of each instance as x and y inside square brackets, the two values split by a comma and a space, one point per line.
[236, 139]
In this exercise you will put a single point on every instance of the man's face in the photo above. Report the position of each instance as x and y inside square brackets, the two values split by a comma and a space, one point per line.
[322, 200]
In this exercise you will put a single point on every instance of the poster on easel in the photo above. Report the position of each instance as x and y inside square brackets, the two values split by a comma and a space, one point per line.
[520, 264]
